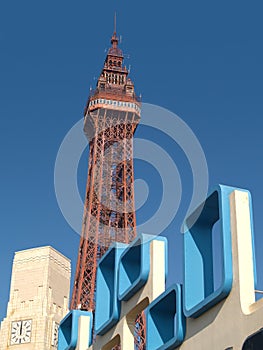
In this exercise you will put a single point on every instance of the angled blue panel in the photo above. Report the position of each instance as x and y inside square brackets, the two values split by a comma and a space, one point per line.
[134, 266]
[107, 310]
[199, 291]
[68, 330]
[165, 321]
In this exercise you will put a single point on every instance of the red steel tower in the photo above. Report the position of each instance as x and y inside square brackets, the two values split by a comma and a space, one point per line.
[110, 120]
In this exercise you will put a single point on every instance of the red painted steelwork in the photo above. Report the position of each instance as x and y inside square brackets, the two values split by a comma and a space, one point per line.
[110, 120]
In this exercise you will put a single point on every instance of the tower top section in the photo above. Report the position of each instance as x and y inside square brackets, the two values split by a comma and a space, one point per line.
[114, 89]
[114, 50]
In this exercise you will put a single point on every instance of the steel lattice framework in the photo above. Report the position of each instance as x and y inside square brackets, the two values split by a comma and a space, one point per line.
[110, 120]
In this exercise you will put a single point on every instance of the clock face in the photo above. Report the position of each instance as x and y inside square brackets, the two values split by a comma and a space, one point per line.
[54, 341]
[21, 332]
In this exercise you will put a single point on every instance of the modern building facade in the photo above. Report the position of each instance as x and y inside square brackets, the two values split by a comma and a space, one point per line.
[195, 315]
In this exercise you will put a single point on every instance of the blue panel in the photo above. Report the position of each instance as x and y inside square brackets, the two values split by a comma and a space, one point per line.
[199, 290]
[134, 265]
[68, 330]
[107, 310]
[165, 322]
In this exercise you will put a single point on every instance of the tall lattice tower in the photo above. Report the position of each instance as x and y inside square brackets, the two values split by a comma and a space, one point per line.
[110, 120]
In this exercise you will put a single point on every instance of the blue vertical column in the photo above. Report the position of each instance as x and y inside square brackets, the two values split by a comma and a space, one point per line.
[199, 292]
[108, 307]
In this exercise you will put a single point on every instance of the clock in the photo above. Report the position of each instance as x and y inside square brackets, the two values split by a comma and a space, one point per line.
[54, 340]
[21, 332]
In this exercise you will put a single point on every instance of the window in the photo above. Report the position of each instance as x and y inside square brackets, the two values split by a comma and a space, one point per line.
[254, 342]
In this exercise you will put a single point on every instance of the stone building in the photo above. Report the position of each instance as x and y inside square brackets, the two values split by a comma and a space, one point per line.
[39, 295]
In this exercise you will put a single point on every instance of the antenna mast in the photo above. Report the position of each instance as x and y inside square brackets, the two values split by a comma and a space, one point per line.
[115, 23]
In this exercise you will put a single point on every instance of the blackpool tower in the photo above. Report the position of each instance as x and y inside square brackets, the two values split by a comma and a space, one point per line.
[110, 120]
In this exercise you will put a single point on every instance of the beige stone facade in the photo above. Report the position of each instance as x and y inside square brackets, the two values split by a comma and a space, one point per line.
[39, 295]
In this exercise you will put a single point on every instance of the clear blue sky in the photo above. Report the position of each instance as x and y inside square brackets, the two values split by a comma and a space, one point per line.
[200, 59]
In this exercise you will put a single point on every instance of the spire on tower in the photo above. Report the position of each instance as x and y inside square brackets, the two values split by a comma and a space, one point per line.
[114, 50]
[114, 38]
[115, 23]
